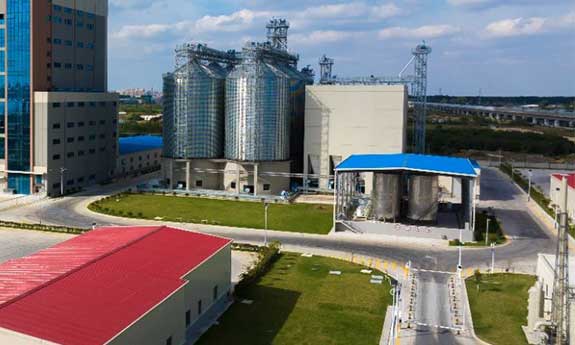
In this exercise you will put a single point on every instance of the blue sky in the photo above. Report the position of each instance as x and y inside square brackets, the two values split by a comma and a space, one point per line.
[504, 47]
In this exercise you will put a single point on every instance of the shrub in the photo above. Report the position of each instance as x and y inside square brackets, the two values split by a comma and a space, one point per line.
[266, 257]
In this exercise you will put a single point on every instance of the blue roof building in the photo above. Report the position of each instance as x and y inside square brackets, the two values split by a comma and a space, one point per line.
[129, 145]
[439, 165]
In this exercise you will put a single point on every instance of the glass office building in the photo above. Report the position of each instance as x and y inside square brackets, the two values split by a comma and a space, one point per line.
[53, 82]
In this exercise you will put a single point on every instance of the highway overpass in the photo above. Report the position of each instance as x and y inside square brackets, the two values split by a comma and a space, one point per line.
[540, 118]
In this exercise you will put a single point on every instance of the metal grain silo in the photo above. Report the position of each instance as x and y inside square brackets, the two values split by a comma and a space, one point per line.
[257, 111]
[195, 121]
[169, 126]
[423, 198]
[386, 196]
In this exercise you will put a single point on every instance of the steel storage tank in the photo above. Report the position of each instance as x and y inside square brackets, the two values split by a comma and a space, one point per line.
[169, 127]
[386, 196]
[194, 122]
[257, 111]
[423, 198]
[298, 82]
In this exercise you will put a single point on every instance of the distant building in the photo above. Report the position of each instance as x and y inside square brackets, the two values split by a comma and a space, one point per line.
[151, 117]
[119, 285]
[540, 298]
[341, 120]
[139, 155]
[555, 194]
[56, 116]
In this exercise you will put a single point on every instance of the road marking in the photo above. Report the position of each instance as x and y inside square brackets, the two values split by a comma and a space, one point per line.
[437, 326]
[432, 271]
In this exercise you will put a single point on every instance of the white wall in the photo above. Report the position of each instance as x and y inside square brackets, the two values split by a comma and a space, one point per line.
[345, 120]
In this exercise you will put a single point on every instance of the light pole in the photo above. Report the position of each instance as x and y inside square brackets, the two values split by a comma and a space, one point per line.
[487, 232]
[530, 173]
[62, 171]
[459, 266]
[266, 207]
[492, 257]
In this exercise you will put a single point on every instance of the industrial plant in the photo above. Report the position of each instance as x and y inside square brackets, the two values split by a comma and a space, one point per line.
[230, 114]
[410, 194]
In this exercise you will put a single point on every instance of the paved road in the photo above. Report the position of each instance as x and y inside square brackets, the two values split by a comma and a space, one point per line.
[528, 239]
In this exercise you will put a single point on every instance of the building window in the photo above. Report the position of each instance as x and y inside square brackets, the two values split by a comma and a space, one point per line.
[70, 182]
[215, 293]
[70, 125]
[188, 318]
[70, 104]
[199, 183]
[92, 151]
[70, 140]
[70, 155]
[56, 142]
[200, 307]
[233, 185]
[81, 139]
[56, 105]
[267, 187]
[56, 157]
[56, 126]
[81, 153]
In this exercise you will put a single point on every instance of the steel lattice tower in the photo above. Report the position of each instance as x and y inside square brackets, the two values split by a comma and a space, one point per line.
[419, 93]
[278, 33]
[326, 68]
[560, 311]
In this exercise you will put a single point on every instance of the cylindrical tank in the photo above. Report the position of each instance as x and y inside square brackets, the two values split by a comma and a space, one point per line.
[386, 196]
[423, 198]
[169, 125]
[194, 112]
[257, 112]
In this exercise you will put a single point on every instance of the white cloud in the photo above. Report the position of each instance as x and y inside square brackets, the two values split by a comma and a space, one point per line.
[528, 26]
[353, 9]
[319, 37]
[234, 22]
[471, 3]
[422, 32]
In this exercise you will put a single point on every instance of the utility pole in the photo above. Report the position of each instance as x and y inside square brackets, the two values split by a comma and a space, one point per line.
[560, 303]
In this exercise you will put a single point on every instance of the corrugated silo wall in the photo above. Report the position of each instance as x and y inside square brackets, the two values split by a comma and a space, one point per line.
[197, 123]
[168, 131]
[258, 109]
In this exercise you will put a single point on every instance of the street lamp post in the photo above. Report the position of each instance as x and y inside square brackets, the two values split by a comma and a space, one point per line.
[493, 257]
[266, 207]
[459, 266]
[530, 173]
[62, 171]
[487, 232]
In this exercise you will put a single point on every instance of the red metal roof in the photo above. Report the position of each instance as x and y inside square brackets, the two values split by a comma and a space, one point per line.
[89, 289]
[570, 179]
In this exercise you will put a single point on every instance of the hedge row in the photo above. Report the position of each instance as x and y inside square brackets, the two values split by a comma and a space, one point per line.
[266, 257]
[42, 227]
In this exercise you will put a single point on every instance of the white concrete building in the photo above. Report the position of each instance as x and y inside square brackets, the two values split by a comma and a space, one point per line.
[117, 285]
[341, 120]
[540, 298]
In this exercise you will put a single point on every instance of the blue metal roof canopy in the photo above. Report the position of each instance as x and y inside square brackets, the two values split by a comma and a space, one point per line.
[129, 145]
[440, 165]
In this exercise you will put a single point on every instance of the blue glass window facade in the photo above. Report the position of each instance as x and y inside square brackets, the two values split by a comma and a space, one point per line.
[18, 85]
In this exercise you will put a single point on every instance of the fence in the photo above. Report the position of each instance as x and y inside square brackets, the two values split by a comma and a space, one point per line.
[529, 165]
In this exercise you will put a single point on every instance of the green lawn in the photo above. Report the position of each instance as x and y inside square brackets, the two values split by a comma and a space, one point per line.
[298, 302]
[315, 219]
[499, 309]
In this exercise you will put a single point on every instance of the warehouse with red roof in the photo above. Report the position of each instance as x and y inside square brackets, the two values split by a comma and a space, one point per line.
[117, 285]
